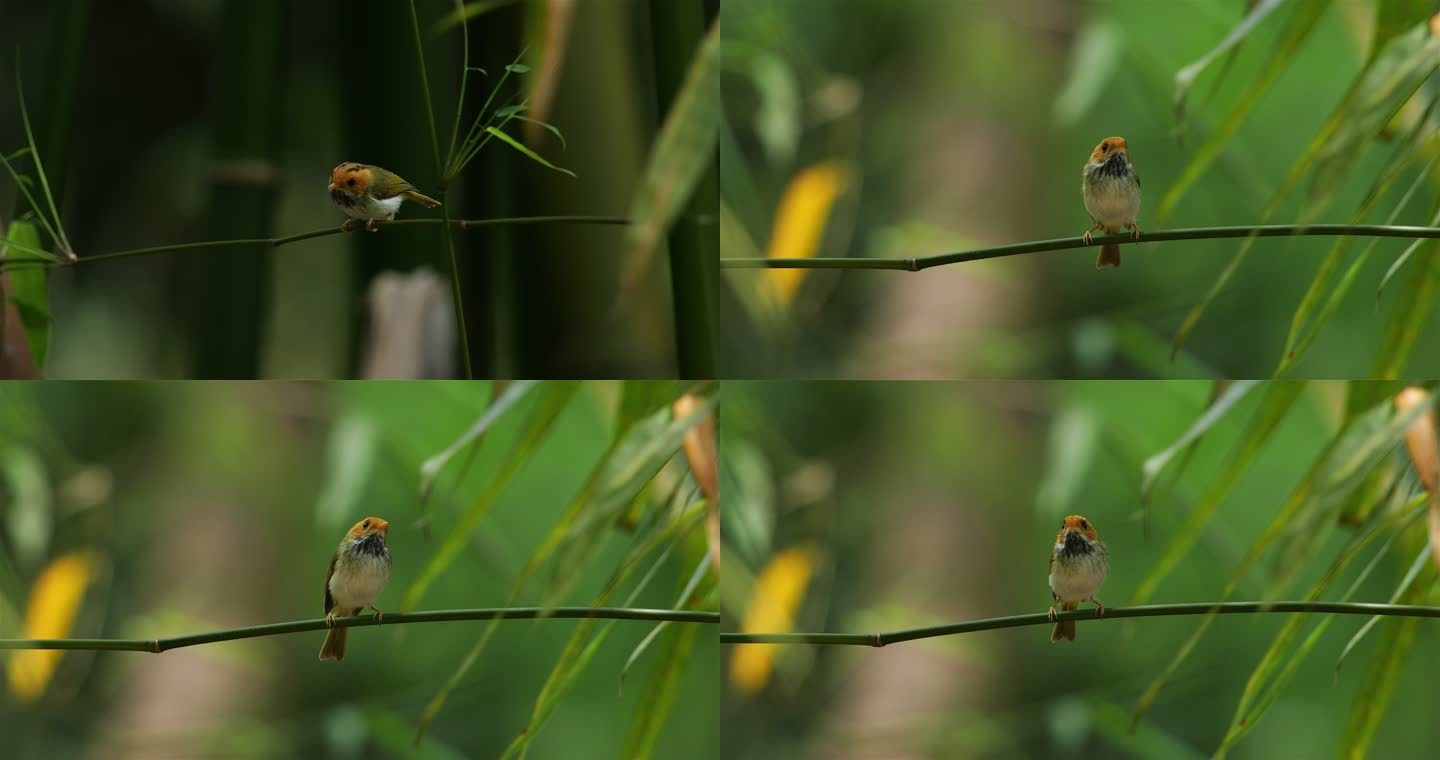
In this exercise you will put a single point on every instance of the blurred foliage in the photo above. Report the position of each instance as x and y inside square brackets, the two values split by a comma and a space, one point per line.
[145, 510]
[965, 124]
[929, 503]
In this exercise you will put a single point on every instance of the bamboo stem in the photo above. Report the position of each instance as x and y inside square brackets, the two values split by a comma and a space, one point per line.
[359, 621]
[1111, 613]
[463, 224]
[1059, 244]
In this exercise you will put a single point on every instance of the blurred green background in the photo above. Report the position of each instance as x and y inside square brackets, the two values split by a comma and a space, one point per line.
[214, 506]
[918, 504]
[191, 120]
[965, 124]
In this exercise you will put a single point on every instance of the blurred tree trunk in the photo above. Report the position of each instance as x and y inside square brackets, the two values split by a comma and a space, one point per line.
[228, 289]
[384, 123]
[676, 29]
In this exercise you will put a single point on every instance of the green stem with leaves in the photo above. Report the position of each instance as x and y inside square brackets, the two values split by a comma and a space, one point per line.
[1111, 613]
[359, 621]
[1059, 244]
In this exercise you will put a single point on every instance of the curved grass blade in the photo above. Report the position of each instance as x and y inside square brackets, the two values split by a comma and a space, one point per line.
[1284, 51]
[1320, 145]
[579, 651]
[1372, 699]
[659, 697]
[1279, 397]
[1283, 521]
[1185, 77]
[467, 11]
[554, 397]
[430, 469]
[1409, 317]
[58, 230]
[1283, 647]
[1305, 325]
[1419, 564]
[680, 603]
[532, 155]
[1150, 471]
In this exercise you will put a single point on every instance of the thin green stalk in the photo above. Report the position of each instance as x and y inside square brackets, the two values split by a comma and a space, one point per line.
[456, 291]
[1042, 618]
[1059, 244]
[463, 224]
[425, 90]
[390, 618]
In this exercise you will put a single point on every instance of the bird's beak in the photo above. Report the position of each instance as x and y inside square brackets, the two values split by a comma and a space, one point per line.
[332, 185]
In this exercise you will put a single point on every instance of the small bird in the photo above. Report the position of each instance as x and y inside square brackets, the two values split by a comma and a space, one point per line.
[357, 574]
[371, 193]
[1112, 195]
[1078, 565]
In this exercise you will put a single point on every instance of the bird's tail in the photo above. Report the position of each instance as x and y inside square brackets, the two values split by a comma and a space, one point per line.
[429, 202]
[334, 646]
[1109, 256]
[1064, 629]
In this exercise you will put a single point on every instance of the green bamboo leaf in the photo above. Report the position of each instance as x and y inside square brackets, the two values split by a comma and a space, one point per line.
[1185, 77]
[430, 468]
[633, 465]
[1152, 467]
[532, 155]
[683, 152]
[1282, 53]
[1422, 560]
[554, 397]
[463, 13]
[659, 697]
[1409, 316]
[58, 229]
[680, 603]
[1388, 81]
[1321, 144]
[1395, 17]
[1279, 397]
[641, 398]
[1070, 449]
[1283, 521]
[1094, 59]
[1372, 699]
[28, 288]
[747, 523]
[1283, 647]
[582, 645]
[1305, 325]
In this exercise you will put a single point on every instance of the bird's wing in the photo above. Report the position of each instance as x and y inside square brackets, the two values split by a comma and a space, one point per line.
[329, 571]
[387, 184]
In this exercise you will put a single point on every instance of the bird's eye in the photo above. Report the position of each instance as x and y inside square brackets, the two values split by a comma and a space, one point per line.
[365, 524]
[350, 182]
[1084, 525]
[1104, 147]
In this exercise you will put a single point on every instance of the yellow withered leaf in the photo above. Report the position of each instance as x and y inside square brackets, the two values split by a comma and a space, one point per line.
[54, 600]
[800, 222]
[778, 592]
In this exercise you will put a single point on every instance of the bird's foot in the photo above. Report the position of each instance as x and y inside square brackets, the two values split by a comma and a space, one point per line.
[1052, 613]
[379, 616]
[370, 226]
[1098, 604]
[1085, 238]
[330, 620]
[1134, 232]
[345, 228]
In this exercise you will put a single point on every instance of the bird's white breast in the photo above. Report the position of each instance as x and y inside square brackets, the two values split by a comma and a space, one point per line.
[359, 582]
[1078, 579]
[372, 208]
[1113, 201]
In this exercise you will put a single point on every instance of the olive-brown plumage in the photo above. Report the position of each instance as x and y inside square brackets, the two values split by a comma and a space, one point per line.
[371, 193]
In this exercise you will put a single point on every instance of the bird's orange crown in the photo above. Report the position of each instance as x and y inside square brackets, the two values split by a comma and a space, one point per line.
[355, 178]
[1102, 151]
[367, 526]
[1079, 525]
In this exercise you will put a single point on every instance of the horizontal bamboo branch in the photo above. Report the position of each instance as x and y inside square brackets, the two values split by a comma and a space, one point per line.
[1060, 244]
[463, 224]
[1111, 613]
[391, 618]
